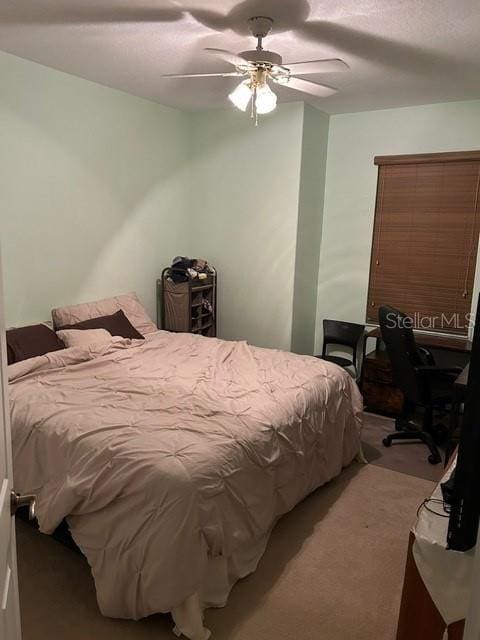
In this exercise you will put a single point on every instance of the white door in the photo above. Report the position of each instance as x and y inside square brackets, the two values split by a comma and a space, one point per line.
[10, 610]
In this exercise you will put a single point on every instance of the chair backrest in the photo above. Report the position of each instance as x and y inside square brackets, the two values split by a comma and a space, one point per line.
[346, 334]
[402, 351]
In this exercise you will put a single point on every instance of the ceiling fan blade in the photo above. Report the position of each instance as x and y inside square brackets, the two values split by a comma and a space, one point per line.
[315, 89]
[388, 51]
[317, 66]
[99, 13]
[230, 57]
[228, 74]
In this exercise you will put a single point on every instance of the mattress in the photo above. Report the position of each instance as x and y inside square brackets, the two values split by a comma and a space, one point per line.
[173, 457]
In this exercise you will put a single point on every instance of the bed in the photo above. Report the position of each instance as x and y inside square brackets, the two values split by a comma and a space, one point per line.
[172, 458]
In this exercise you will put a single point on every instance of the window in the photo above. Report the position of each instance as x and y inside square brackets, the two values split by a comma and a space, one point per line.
[425, 238]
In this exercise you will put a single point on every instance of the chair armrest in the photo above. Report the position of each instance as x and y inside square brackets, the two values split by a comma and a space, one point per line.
[442, 370]
[429, 359]
[428, 374]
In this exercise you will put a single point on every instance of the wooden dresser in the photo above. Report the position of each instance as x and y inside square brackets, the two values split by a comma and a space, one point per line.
[380, 395]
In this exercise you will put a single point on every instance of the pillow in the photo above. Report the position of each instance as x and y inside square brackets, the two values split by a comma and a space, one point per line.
[32, 341]
[83, 337]
[116, 324]
[10, 354]
[128, 302]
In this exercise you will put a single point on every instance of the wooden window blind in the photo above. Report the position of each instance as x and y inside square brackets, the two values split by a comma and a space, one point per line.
[425, 238]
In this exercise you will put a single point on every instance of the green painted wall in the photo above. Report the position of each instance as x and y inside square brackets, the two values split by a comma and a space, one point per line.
[309, 228]
[100, 189]
[244, 211]
[94, 190]
[354, 140]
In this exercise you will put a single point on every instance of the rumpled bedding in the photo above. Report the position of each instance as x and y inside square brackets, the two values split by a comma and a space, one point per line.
[169, 454]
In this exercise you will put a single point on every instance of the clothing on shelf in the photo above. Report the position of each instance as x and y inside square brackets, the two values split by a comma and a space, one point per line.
[185, 268]
[207, 305]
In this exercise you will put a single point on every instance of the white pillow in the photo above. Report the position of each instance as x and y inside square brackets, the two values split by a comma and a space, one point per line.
[83, 337]
[127, 302]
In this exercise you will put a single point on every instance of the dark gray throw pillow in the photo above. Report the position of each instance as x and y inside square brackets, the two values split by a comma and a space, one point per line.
[32, 341]
[116, 324]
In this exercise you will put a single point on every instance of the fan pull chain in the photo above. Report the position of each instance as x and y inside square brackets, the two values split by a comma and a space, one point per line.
[254, 113]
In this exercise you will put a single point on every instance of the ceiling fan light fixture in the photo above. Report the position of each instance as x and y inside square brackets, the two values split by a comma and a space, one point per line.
[266, 100]
[241, 95]
[260, 67]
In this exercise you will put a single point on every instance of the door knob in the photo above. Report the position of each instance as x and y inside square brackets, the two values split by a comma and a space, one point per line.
[17, 501]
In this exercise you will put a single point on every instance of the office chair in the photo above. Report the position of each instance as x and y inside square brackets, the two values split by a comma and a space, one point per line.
[344, 334]
[422, 383]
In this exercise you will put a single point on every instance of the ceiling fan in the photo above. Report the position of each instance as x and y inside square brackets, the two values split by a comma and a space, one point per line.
[260, 66]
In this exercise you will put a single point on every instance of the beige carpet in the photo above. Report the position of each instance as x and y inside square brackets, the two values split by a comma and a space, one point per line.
[333, 571]
[406, 457]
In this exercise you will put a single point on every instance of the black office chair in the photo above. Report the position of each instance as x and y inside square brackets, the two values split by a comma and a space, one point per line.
[343, 334]
[422, 383]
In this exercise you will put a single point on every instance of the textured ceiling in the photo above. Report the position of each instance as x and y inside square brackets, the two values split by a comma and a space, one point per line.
[401, 52]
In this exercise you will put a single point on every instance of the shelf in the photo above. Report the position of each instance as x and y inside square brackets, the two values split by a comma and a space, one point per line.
[187, 306]
[201, 288]
[202, 328]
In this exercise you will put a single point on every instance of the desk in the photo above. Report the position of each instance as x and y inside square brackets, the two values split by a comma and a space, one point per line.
[432, 340]
[380, 394]
[436, 586]
[419, 618]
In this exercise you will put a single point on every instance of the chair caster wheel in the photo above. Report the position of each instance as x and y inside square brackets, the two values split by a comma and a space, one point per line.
[387, 442]
[434, 459]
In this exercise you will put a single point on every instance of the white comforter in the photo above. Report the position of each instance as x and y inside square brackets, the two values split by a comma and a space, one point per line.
[173, 453]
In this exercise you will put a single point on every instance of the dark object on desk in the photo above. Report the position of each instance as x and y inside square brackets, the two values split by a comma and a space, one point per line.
[422, 383]
[465, 508]
[344, 334]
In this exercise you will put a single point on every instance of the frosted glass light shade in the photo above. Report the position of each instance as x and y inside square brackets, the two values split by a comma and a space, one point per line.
[266, 100]
[241, 95]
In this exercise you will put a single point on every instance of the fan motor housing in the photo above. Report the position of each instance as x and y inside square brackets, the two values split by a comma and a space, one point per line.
[262, 56]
